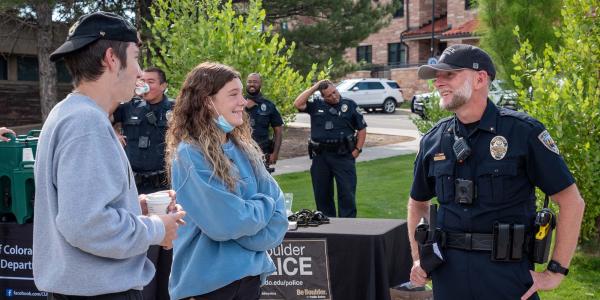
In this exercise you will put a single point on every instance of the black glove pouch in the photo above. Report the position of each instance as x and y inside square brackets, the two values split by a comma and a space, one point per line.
[428, 258]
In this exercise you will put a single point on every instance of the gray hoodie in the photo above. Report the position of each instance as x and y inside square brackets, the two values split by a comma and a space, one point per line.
[88, 235]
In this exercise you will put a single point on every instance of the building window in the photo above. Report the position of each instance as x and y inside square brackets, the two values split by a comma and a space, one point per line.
[62, 73]
[27, 68]
[363, 53]
[397, 54]
[470, 4]
[3, 68]
[400, 11]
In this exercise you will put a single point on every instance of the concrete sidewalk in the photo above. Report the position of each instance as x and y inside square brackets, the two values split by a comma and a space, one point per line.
[299, 164]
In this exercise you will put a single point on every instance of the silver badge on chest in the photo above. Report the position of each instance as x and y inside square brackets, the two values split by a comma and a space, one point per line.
[344, 107]
[498, 147]
[263, 107]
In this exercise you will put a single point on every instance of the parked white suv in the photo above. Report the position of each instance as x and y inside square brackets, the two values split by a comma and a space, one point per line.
[372, 93]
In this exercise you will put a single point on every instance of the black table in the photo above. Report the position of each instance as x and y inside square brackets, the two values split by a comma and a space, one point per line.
[366, 256]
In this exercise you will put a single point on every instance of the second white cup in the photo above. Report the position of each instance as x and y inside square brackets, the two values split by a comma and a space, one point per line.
[158, 203]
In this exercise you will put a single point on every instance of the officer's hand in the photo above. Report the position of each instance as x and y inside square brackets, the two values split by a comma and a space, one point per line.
[355, 153]
[122, 139]
[418, 276]
[273, 158]
[142, 199]
[171, 222]
[4, 130]
[543, 281]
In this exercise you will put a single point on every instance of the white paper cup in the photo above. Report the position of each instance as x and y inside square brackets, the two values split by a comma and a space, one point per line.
[158, 203]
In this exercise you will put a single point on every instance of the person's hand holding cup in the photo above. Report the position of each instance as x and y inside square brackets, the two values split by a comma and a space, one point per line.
[163, 205]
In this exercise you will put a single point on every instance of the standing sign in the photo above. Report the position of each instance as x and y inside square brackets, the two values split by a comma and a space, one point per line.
[16, 274]
[302, 271]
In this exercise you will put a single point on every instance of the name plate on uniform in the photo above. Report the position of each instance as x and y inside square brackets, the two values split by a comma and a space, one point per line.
[302, 271]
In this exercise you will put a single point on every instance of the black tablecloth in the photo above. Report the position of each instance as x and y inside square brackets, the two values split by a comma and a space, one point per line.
[366, 256]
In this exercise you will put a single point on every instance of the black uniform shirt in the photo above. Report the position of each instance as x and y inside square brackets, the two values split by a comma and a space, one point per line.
[333, 123]
[262, 116]
[134, 119]
[512, 153]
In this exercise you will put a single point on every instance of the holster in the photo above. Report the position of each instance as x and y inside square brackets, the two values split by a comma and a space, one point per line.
[430, 242]
[313, 148]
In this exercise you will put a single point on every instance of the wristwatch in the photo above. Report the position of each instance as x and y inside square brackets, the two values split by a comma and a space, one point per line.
[358, 149]
[555, 267]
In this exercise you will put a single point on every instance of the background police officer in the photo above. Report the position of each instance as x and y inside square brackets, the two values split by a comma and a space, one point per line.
[338, 133]
[263, 114]
[144, 124]
[490, 191]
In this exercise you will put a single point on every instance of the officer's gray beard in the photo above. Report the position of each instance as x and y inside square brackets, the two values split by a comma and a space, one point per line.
[459, 97]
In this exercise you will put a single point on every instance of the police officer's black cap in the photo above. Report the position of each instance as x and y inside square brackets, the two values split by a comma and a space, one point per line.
[92, 27]
[459, 57]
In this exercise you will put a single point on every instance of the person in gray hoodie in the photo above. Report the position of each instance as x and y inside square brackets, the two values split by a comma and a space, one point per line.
[90, 237]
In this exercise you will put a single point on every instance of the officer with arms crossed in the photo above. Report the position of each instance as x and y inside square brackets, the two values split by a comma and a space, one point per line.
[144, 125]
[338, 131]
[483, 165]
[263, 114]
[89, 235]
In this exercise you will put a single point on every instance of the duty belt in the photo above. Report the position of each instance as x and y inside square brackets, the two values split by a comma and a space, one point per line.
[469, 241]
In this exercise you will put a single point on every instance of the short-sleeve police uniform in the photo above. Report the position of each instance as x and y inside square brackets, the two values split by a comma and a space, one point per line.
[262, 116]
[145, 126]
[512, 154]
[333, 129]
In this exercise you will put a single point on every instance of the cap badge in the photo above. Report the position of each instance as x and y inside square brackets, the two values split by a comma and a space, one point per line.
[102, 33]
[344, 107]
[498, 147]
[449, 50]
[72, 29]
[476, 66]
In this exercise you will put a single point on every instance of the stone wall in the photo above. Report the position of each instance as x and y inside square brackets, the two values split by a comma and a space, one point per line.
[410, 84]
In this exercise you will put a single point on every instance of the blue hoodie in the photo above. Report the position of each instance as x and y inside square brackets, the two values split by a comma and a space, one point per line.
[227, 233]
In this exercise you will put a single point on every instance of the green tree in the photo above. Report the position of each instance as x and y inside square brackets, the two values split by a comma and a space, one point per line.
[323, 29]
[499, 17]
[566, 97]
[189, 32]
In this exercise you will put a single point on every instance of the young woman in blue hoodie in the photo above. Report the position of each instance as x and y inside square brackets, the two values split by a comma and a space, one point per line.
[235, 209]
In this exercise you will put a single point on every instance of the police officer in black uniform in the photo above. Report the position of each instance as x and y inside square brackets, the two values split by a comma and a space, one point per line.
[143, 122]
[483, 165]
[338, 132]
[263, 114]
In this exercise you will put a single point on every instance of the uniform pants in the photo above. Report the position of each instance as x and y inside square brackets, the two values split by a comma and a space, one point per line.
[472, 275]
[247, 288]
[327, 166]
[158, 288]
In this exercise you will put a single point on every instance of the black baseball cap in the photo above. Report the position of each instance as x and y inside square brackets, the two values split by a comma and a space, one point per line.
[459, 57]
[92, 27]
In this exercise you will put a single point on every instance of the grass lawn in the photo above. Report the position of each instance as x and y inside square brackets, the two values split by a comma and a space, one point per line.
[382, 192]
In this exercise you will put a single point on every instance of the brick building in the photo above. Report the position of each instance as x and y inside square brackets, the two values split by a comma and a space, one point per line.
[397, 50]
[19, 87]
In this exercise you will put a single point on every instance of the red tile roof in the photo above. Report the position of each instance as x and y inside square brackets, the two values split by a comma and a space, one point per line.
[441, 25]
[466, 29]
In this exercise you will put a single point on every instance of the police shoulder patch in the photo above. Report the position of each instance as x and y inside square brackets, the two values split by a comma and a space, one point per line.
[169, 115]
[548, 142]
